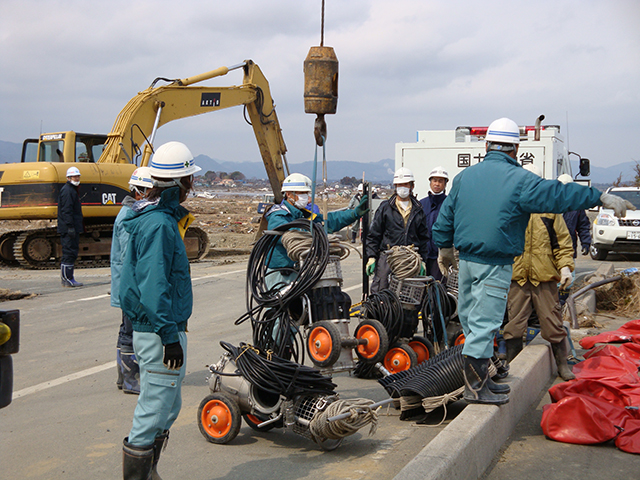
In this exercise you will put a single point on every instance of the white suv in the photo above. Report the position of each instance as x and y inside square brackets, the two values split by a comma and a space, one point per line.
[612, 234]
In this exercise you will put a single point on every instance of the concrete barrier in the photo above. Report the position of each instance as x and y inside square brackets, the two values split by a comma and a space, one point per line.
[467, 446]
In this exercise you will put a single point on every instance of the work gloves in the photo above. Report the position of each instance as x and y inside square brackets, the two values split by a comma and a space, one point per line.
[173, 356]
[446, 259]
[585, 249]
[361, 209]
[565, 278]
[371, 266]
[423, 270]
[617, 204]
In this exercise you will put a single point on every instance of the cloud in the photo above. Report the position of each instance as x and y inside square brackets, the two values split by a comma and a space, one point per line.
[405, 65]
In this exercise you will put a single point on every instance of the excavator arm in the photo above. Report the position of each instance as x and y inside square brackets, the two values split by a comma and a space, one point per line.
[139, 120]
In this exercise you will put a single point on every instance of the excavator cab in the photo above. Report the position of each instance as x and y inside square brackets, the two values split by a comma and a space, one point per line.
[64, 147]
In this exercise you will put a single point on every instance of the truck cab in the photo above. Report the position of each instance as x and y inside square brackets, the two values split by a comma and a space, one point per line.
[463, 147]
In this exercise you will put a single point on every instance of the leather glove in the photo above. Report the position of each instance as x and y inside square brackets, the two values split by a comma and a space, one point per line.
[446, 259]
[371, 266]
[565, 278]
[585, 249]
[361, 209]
[173, 356]
[617, 204]
[71, 232]
[423, 270]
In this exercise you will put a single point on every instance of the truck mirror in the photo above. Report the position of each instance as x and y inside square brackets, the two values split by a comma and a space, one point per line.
[585, 167]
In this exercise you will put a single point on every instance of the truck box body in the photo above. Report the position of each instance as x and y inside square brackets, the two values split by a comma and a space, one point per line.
[463, 147]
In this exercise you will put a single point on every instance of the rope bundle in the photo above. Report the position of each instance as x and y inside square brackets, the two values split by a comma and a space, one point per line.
[404, 261]
[361, 416]
[298, 245]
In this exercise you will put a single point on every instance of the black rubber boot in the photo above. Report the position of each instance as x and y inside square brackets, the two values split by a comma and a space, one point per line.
[502, 368]
[137, 462]
[159, 445]
[561, 352]
[476, 389]
[119, 369]
[514, 347]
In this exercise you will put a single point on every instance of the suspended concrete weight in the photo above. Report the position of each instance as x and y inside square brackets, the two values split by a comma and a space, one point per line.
[321, 87]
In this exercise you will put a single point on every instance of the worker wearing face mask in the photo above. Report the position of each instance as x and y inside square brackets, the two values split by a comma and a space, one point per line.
[296, 189]
[398, 221]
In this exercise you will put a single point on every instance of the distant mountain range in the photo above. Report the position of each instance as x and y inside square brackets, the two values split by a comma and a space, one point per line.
[380, 171]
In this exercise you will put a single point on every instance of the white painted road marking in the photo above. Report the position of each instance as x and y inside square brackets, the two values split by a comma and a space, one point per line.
[59, 381]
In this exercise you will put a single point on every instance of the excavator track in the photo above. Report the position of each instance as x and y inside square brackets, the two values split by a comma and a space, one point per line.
[40, 249]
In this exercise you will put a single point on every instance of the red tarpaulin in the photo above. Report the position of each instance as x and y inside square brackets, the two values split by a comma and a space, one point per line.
[602, 403]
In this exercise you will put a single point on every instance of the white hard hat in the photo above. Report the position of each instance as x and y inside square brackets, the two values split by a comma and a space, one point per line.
[533, 169]
[296, 182]
[141, 177]
[565, 178]
[503, 130]
[173, 160]
[72, 172]
[403, 175]
[360, 187]
[439, 172]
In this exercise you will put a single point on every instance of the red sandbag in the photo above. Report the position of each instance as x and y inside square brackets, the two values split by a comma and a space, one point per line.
[580, 420]
[607, 367]
[629, 440]
[609, 391]
[628, 351]
[629, 332]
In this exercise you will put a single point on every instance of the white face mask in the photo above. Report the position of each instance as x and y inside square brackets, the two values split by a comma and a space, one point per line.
[303, 200]
[75, 183]
[403, 192]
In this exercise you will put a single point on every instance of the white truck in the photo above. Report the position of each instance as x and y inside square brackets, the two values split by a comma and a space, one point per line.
[458, 149]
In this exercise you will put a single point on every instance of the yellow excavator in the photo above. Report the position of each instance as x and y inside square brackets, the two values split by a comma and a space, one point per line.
[29, 189]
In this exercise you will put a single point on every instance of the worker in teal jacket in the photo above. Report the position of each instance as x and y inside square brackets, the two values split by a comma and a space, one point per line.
[155, 293]
[127, 365]
[485, 216]
[297, 194]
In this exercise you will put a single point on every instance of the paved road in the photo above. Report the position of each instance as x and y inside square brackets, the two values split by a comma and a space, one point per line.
[67, 419]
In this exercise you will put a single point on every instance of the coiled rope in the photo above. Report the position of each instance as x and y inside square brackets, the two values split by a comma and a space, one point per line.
[298, 245]
[404, 261]
[361, 415]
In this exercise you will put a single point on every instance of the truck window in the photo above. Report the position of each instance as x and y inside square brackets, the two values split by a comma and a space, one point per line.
[51, 151]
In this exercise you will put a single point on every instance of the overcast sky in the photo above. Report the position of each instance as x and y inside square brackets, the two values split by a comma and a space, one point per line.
[405, 65]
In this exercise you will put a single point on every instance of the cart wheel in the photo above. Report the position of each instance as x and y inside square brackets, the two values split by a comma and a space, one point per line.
[324, 343]
[399, 358]
[457, 338]
[254, 420]
[219, 418]
[377, 341]
[422, 347]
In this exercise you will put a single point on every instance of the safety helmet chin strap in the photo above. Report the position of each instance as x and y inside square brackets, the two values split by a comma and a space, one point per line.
[173, 182]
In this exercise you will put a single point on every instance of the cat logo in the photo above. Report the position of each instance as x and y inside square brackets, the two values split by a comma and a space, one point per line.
[109, 199]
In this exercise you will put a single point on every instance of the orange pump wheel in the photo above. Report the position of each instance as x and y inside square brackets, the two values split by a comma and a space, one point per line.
[323, 343]
[423, 348]
[219, 418]
[399, 358]
[377, 341]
